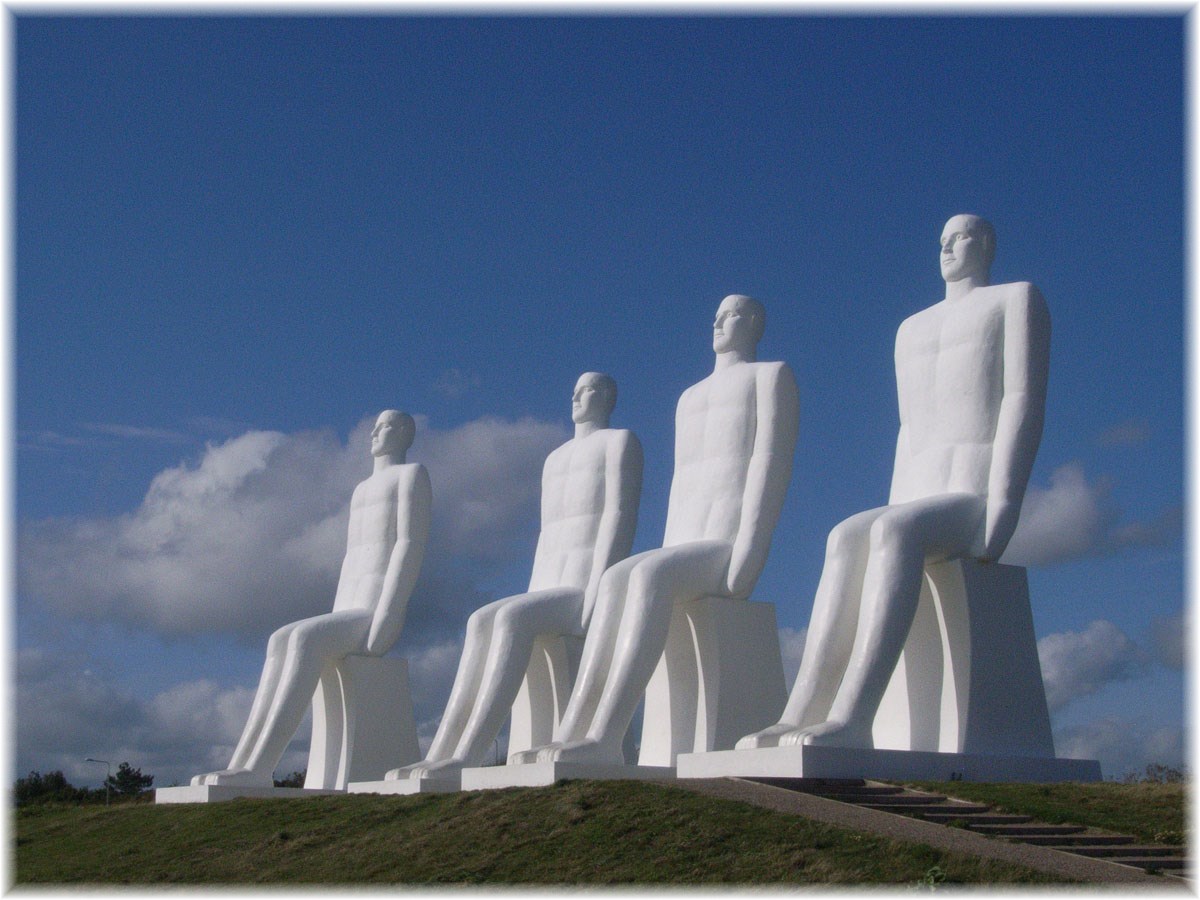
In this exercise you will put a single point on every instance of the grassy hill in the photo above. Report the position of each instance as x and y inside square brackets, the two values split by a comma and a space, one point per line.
[577, 832]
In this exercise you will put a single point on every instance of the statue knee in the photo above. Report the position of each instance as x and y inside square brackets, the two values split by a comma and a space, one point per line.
[890, 535]
[843, 539]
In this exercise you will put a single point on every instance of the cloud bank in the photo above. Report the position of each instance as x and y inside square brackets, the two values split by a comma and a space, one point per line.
[252, 534]
[1074, 518]
[1079, 664]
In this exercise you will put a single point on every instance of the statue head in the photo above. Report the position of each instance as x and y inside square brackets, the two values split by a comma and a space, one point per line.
[739, 325]
[968, 247]
[594, 398]
[393, 433]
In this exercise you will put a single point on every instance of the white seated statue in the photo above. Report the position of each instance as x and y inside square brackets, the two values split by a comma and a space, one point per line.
[389, 528]
[971, 373]
[735, 434]
[590, 491]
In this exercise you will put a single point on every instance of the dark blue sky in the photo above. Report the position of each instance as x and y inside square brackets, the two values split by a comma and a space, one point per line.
[289, 223]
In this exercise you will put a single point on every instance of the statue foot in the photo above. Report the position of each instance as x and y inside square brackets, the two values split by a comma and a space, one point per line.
[426, 769]
[525, 757]
[234, 778]
[768, 737]
[585, 751]
[830, 734]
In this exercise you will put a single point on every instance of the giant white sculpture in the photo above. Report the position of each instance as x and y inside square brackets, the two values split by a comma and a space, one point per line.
[971, 375]
[590, 491]
[734, 440]
[389, 528]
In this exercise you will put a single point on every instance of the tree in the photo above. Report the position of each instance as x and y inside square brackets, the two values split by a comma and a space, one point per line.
[296, 779]
[51, 787]
[128, 781]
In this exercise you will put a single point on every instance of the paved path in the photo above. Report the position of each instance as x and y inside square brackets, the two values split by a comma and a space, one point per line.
[904, 828]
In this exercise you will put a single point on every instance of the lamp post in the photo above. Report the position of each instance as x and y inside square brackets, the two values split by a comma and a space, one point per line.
[107, 779]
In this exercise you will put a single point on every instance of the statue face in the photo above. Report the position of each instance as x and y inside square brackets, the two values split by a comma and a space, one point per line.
[386, 436]
[733, 328]
[588, 403]
[963, 254]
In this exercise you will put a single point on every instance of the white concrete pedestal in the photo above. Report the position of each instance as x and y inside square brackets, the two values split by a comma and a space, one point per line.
[968, 680]
[444, 785]
[720, 677]
[887, 765]
[362, 722]
[540, 774]
[214, 793]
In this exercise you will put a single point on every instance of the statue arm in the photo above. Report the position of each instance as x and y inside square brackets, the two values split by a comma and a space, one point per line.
[1022, 414]
[618, 522]
[413, 516]
[767, 476]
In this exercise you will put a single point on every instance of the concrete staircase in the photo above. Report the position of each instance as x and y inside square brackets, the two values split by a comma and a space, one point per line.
[1117, 848]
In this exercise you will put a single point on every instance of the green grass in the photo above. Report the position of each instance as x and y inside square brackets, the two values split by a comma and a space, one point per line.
[580, 832]
[1148, 811]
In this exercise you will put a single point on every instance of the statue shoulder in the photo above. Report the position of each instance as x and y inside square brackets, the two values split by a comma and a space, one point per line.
[622, 440]
[1024, 299]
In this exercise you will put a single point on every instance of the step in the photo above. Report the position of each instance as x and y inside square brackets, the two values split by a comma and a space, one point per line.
[816, 785]
[1021, 831]
[983, 817]
[1122, 850]
[1154, 862]
[889, 799]
[1068, 840]
[940, 810]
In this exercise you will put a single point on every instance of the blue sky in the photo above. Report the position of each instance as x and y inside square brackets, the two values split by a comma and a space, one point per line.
[238, 238]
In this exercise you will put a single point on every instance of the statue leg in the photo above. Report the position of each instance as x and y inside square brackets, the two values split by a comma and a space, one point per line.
[654, 583]
[310, 644]
[595, 659]
[476, 645]
[831, 631]
[268, 682]
[902, 540]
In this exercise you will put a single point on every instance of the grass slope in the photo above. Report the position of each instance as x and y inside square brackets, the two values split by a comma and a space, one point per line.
[577, 832]
[1148, 811]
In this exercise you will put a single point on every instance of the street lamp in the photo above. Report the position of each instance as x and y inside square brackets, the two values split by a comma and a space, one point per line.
[107, 785]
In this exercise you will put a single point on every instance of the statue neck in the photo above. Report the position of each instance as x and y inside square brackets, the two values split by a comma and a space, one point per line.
[956, 290]
[583, 429]
[733, 358]
[388, 459]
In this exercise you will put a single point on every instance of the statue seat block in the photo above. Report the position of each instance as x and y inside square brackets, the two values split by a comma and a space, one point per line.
[720, 677]
[362, 722]
[968, 680]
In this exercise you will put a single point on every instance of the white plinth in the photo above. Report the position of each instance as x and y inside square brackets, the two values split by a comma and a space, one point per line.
[442, 785]
[887, 765]
[540, 774]
[362, 722]
[720, 676]
[215, 793]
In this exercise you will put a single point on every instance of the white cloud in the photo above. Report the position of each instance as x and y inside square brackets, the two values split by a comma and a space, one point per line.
[1073, 518]
[1121, 745]
[251, 536]
[1079, 664]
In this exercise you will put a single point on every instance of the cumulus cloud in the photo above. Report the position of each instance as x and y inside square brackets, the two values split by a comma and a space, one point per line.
[191, 727]
[1167, 641]
[67, 712]
[251, 535]
[1121, 745]
[1079, 664]
[1075, 518]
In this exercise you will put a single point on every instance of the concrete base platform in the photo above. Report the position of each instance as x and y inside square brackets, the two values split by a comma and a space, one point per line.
[539, 774]
[445, 785]
[888, 765]
[215, 793]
